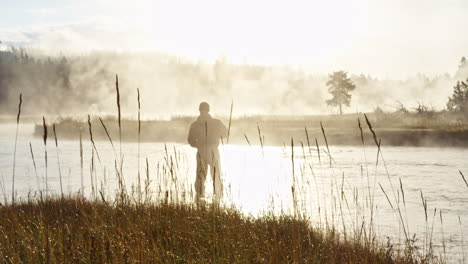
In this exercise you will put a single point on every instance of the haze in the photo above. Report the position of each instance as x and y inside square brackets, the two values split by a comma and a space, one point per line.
[386, 39]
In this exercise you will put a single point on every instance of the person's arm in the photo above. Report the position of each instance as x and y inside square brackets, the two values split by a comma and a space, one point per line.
[223, 131]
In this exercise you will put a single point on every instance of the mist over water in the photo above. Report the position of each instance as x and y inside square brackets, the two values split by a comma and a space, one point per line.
[170, 85]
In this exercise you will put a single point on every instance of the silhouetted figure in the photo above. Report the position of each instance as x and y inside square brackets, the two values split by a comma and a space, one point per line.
[205, 134]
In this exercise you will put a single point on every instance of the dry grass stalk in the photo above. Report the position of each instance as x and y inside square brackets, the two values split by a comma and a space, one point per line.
[14, 152]
[91, 138]
[261, 139]
[91, 173]
[443, 236]
[34, 164]
[424, 204]
[138, 155]
[119, 113]
[462, 242]
[81, 161]
[326, 143]
[318, 151]
[44, 138]
[147, 182]
[108, 135]
[463, 177]
[247, 139]
[379, 153]
[58, 159]
[230, 120]
[308, 140]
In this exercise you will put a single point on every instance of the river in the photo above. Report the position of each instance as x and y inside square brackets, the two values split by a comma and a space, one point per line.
[336, 192]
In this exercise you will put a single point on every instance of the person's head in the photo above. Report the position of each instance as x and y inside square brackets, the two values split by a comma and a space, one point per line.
[204, 107]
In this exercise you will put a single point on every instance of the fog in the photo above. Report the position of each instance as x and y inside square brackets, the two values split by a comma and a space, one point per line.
[173, 85]
[266, 57]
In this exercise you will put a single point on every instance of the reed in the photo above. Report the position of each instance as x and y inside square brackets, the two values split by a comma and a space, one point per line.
[230, 122]
[119, 113]
[14, 152]
[108, 135]
[138, 155]
[379, 153]
[58, 159]
[443, 235]
[462, 242]
[34, 165]
[91, 138]
[308, 140]
[247, 139]
[318, 152]
[91, 175]
[326, 142]
[260, 138]
[81, 163]
[44, 138]
[424, 204]
[463, 177]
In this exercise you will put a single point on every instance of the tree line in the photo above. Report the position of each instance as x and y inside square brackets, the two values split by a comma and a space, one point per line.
[340, 87]
[59, 84]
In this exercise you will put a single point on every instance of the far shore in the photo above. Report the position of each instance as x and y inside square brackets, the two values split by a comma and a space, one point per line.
[390, 129]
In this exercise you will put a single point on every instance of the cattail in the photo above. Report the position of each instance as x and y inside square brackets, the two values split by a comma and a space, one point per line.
[14, 153]
[58, 159]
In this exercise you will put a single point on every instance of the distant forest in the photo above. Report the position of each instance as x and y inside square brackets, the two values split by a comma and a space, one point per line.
[61, 85]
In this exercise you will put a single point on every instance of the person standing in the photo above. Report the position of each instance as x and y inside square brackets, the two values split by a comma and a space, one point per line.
[204, 135]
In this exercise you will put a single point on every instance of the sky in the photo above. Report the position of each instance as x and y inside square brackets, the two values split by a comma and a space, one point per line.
[391, 39]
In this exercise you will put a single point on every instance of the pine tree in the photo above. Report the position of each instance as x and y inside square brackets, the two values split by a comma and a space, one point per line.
[340, 86]
[458, 102]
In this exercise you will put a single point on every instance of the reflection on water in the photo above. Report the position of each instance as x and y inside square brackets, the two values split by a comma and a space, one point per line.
[259, 179]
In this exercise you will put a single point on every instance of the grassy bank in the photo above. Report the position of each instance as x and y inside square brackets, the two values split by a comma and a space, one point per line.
[396, 129]
[76, 230]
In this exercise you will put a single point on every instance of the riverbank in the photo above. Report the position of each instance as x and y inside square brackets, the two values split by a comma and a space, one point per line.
[441, 130]
[77, 230]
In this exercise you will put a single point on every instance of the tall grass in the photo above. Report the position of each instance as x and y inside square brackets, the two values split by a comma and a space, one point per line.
[34, 165]
[81, 163]
[14, 152]
[138, 154]
[58, 160]
[54, 232]
[165, 226]
[44, 138]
